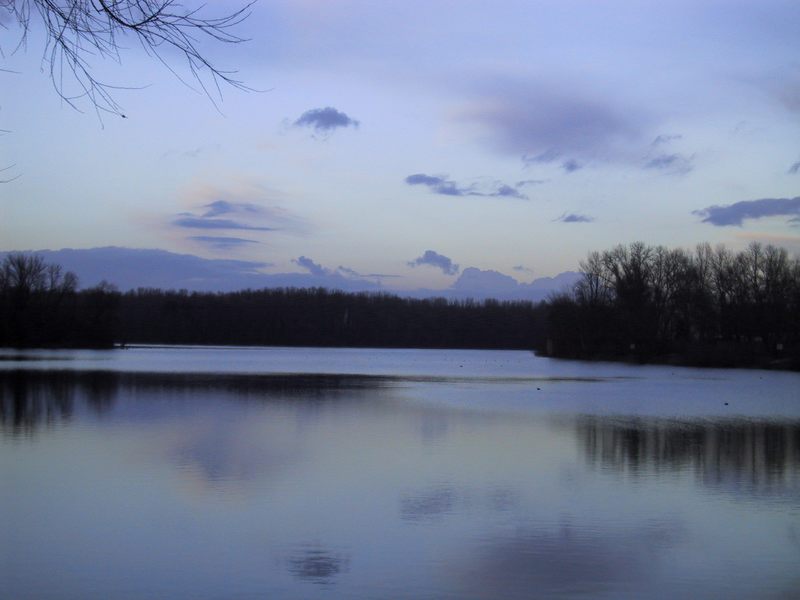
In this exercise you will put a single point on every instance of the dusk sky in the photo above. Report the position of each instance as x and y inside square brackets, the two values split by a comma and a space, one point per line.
[414, 140]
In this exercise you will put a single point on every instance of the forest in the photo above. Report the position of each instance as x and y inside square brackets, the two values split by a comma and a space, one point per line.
[707, 307]
[41, 307]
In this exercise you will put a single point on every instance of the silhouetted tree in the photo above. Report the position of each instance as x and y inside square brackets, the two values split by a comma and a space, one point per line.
[78, 31]
[33, 300]
[717, 306]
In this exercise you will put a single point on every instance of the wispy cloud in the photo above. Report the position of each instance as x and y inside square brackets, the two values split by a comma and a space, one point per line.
[232, 211]
[672, 163]
[221, 243]
[310, 266]
[736, 213]
[794, 169]
[570, 165]
[522, 269]
[545, 122]
[224, 207]
[348, 272]
[574, 218]
[189, 221]
[325, 120]
[665, 139]
[440, 184]
[434, 259]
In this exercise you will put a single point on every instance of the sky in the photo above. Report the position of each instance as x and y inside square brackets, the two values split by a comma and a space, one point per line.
[404, 143]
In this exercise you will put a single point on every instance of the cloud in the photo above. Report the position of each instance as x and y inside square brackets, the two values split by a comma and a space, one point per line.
[192, 222]
[434, 259]
[673, 163]
[665, 139]
[476, 280]
[348, 272]
[569, 165]
[221, 243]
[440, 184]
[794, 169]
[325, 120]
[545, 122]
[735, 214]
[224, 207]
[232, 211]
[574, 218]
[311, 266]
[522, 269]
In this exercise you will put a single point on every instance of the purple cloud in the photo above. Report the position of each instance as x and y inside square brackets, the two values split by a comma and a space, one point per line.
[440, 184]
[674, 163]
[574, 218]
[191, 222]
[543, 123]
[325, 120]
[736, 213]
[224, 207]
[434, 259]
[311, 266]
[221, 243]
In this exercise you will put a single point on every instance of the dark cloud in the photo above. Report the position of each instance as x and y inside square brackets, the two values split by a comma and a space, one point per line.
[570, 165]
[229, 215]
[544, 123]
[665, 139]
[224, 207]
[325, 120]
[794, 169]
[522, 269]
[574, 218]
[311, 266]
[437, 260]
[437, 184]
[673, 163]
[735, 214]
[221, 243]
[191, 222]
[440, 184]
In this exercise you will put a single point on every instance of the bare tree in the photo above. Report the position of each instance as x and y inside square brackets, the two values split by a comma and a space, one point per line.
[79, 31]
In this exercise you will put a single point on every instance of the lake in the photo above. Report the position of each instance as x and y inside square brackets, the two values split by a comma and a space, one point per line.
[239, 473]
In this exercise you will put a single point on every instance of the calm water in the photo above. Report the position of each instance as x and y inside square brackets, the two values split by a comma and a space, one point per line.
[210, 473]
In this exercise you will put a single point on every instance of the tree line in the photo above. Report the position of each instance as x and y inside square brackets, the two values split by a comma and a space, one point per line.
[40, 306]
[709, 306]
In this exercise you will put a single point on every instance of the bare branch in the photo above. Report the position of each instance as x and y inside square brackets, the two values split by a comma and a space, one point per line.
[81, 31]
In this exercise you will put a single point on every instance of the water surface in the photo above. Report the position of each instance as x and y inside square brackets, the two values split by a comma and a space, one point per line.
[323, 473]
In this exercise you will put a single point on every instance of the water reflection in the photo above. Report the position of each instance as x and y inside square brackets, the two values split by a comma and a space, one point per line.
[317, 564]
[31, 399]
[572, 560]
[749, 455]
[431, 504]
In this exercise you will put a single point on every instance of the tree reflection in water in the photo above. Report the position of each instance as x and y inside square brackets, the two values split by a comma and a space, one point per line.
[750, 455]
[31, 399]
